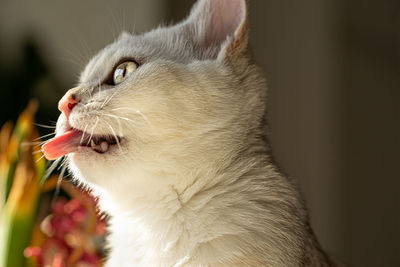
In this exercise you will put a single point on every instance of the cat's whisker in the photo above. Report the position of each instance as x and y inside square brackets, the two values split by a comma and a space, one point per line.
[136, 111]
[113, 132]
[134, 21]
[75, 58]
[43, 136]
[91, 132]
[145, 118]
[87, 49]
[36, 152]
[119, 124]
[103, 104]
[44, 126]
[34, 144]
[98, 78]
[116, 138]
[109, 99]
[124, 19]
[39, 159]
[82, 54]
[119, 117]
[64, 161]
[51, 169]
[59, 180]
[119, 127]
[115, 109]
[113, 27]
[83, 134]
[42, 143]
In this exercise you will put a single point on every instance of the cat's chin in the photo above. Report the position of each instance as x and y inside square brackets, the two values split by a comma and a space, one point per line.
[96, 168]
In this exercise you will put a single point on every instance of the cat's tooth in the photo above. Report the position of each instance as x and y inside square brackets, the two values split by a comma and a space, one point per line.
[92, 144]
[104, 146]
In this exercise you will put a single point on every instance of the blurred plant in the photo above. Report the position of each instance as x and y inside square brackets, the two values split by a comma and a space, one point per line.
[69, 236]
[20, 172]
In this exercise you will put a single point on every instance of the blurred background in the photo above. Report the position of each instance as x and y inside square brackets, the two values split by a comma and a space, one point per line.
[333, 69]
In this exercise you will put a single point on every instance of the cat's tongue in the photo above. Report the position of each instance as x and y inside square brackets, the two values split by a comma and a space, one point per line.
[62, 145]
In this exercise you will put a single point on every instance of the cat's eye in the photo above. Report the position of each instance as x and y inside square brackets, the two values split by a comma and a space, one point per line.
[123, 70]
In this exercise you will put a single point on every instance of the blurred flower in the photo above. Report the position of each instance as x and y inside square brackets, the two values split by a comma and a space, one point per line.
[71, 230]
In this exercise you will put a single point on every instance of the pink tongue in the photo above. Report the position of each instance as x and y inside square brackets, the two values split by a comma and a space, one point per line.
[62, 145]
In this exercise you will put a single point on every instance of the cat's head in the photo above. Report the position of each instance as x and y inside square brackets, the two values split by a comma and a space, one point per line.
[179, 95]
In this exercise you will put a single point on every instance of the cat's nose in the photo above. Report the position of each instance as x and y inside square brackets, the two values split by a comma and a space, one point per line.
[67, 103]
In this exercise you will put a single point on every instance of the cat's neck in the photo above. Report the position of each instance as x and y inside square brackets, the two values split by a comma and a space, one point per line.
[177, 216]
[170, 178]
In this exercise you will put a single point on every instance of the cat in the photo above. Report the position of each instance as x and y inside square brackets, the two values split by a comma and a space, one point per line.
[168, 129]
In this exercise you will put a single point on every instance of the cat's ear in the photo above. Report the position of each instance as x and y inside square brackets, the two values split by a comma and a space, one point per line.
[219, 27]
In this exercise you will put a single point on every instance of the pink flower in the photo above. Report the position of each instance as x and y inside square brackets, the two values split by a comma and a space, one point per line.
[69, 243]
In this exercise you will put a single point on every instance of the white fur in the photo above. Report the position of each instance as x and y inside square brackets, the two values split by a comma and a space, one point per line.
[192, 183]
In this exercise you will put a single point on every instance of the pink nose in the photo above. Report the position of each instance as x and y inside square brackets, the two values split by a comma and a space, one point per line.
[67, 104]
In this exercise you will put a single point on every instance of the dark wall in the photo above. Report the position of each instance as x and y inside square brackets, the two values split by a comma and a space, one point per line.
[371, 71]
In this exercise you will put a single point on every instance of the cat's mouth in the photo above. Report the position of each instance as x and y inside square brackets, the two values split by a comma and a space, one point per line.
[75, 140]
[99, 143]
